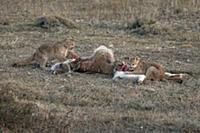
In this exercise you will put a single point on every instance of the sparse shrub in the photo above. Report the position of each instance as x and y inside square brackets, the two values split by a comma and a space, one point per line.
[147, 27]
[53, 21]
[4, 22]
[139, 22]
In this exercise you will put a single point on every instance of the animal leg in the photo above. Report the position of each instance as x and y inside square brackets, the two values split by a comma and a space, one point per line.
[107, 68]
[61, 58]
[43, 61]
[153, 73]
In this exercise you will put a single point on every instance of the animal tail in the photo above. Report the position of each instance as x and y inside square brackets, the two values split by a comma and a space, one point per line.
[176, 77]
[24, 62]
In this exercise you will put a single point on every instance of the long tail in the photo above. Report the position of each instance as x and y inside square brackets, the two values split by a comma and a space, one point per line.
[24, 62]
[176, 77]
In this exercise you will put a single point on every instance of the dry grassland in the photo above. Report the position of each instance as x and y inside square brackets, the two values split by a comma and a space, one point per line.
[166, 31]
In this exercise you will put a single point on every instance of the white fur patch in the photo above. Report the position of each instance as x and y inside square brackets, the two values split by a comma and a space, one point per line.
[134, 66]
[54, 68]
[169, 74]
[181, 75]
[57, 65]
[136, 77]
[68, 61]
[102, 47]
[66, 52]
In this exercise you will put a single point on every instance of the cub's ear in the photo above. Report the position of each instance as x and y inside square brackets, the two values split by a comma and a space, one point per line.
[132, 58]
[137, 58]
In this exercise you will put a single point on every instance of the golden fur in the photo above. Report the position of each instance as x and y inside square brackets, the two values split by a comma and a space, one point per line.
[101, 61]
[153, 71]
[48, 52]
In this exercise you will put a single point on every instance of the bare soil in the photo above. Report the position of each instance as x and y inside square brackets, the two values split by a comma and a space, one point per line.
[31, 100]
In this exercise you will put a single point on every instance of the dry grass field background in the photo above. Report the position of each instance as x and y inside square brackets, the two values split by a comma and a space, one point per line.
[165, 31]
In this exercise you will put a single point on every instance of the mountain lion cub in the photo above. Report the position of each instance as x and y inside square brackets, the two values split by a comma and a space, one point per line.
[46, 53]
[153, 71]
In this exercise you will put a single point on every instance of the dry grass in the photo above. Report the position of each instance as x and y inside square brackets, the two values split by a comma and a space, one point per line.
[167, 32]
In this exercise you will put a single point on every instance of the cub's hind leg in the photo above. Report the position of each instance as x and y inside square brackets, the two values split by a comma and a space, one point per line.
[153, 74]
[107, 68]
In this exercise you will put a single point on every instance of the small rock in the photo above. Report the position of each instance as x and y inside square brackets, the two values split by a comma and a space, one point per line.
[29, 73]
[111, 45]
[179, 62]
[60, 87]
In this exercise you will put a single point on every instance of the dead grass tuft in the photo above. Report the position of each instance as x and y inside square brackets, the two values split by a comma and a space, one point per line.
[54, 21]
[166, 32]
[142, 26]
[13, 90]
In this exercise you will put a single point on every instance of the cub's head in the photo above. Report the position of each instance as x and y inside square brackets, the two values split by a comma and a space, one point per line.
[69, 43]
[135, 61]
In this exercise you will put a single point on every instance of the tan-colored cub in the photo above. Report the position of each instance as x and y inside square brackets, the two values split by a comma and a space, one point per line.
[101, 61]
[48, 52]
[153, 71]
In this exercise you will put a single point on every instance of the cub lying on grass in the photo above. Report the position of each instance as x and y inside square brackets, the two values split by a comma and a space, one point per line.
[153, 71]
[47, 53]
